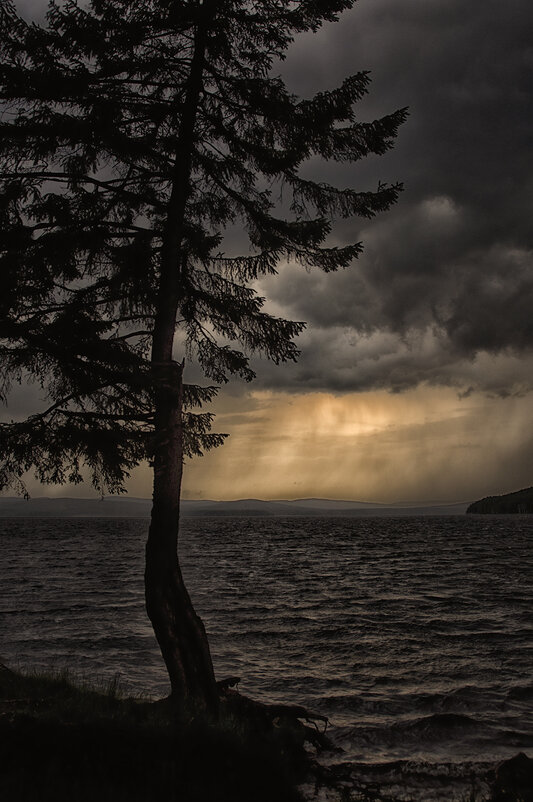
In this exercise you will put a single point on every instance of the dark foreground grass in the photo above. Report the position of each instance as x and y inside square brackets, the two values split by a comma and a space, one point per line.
[61, 741]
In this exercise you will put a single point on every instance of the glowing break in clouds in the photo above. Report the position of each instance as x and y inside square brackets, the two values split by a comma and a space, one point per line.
[423, 445]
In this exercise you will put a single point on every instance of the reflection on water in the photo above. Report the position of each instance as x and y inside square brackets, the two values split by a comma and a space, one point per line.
[414, 635]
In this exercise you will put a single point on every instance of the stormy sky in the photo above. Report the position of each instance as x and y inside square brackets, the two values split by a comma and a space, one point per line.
[415, 373]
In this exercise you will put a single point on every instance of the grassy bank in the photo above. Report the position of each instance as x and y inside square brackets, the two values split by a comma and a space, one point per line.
[65, 741]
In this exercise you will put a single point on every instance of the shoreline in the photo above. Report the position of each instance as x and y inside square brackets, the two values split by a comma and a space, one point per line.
[68, 741]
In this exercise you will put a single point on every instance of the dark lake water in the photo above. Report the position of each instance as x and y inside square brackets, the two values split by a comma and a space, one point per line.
[414, 635]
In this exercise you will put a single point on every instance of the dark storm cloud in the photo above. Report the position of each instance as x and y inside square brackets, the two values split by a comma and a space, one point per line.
[453, 258]
[446, 276]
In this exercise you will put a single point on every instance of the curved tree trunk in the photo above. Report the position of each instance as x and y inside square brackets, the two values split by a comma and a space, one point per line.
[178, 629]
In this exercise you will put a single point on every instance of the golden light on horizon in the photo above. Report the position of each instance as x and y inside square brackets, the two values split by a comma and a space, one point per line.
[422, 445]
[425, 444]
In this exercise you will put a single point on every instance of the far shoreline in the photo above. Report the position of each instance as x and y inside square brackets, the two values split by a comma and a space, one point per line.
[125, 507]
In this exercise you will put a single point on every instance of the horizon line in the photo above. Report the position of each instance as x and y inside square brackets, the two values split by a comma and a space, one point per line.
[128, 498]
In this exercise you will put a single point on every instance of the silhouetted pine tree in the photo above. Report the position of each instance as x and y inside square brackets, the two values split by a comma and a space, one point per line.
[132, 135]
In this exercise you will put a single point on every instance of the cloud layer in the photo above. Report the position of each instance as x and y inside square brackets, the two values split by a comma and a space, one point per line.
[446, 276]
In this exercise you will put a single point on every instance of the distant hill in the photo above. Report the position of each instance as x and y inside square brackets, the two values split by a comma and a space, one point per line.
[127, 507]
[519, 502]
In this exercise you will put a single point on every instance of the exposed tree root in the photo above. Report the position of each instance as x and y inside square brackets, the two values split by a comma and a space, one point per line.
[264, 716]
